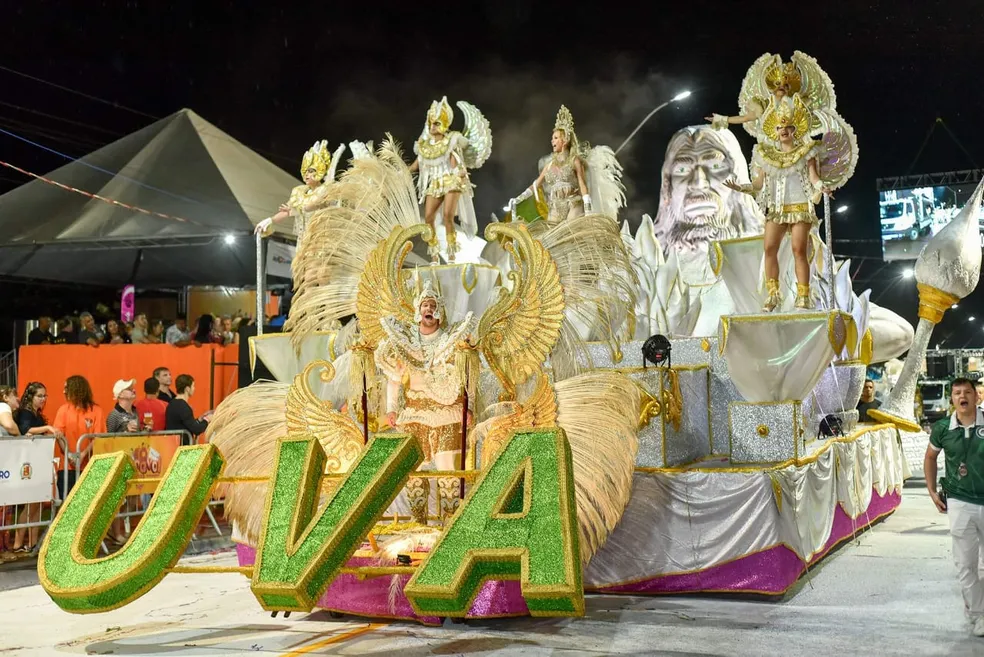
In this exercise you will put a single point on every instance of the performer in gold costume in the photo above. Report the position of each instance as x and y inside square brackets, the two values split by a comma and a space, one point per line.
[787, 182]
[572, 172]
[317, 171]
[443, 159]
[424, 357]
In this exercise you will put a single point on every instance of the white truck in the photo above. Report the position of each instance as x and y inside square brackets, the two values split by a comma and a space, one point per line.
[910, 217]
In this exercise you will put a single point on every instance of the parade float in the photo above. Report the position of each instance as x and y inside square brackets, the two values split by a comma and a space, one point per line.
[569, 405]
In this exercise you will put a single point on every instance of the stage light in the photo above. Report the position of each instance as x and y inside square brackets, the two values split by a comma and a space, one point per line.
[229, 239]
[842, 209]
[907, 273]
[954, 306]
[971, 318]
[682, 95]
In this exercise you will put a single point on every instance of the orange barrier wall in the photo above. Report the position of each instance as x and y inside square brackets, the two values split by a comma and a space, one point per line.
[106, 364]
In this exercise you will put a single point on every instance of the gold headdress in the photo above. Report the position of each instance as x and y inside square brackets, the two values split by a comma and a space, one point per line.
[318, 158]
[428, 289]
[441, 112]
[793, 112]
[787, 74]
[565, 122]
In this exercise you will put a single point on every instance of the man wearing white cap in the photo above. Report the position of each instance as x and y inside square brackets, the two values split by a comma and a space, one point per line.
[123, 419]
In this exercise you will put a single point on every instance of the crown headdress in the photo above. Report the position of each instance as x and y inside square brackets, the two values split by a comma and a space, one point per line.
[428, 289]
[793, 113]
[441, 112]
[318, 157]
[565, 121]
[779, 73]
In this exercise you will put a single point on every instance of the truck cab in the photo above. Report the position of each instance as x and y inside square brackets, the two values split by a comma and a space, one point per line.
[905, 218]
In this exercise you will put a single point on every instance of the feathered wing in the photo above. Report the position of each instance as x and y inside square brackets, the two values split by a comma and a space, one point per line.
[247, 425]
[754, 94]
[520, 328]
[367, 202]
[478, 133]
[599, 412]
[335, 159]
[839, 149]
[816, 87]
[600, 287]
[381, 290]
[605, 181]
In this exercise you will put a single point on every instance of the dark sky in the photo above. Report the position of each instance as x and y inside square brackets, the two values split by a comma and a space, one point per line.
[278, 78]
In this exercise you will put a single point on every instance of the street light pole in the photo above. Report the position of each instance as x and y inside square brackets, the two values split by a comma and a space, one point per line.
[680, 96]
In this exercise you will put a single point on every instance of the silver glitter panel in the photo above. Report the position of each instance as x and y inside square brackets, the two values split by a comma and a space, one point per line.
[839, 389]
[693, 440]
[650, 453]
[723, 392]
[782, 421]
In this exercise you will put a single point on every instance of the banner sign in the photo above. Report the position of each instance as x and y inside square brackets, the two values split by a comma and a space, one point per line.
[151, 454]
[26, 472]
[279, 257]
[126, 303]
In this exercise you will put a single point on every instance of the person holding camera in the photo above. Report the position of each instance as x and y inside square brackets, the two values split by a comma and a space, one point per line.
[961, 439]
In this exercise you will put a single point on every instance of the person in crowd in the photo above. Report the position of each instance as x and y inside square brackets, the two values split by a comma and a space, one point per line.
[115, 334]
[90, 333]
[164, 393]
[31, 422]
[177, 334]
[41, 334]
[141, 330]
[66, 332]
[229, 335]
[961, 439]
[78, 416]
[156, 335]
[205, 332]
[8, 405]
[151, 410]
[868, 401]
[179, 416]
[980, 394]
[123, 417]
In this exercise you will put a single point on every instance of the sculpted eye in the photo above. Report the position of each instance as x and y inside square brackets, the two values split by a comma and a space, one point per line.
[681, 169]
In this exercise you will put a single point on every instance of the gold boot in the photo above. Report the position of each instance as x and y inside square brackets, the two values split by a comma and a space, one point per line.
[434, 250]
[452, 239]
[803, 296]
[448, 497]
[418, 494]
[773, 300]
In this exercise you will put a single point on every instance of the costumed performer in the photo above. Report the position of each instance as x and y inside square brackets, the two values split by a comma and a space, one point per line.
[424, 357]
[443, 159]
[572, 172]
[318, 172]
[787, 183]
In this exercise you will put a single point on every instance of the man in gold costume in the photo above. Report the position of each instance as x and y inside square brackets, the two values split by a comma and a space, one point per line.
[317, 171]
[423, 358]
[443, 159]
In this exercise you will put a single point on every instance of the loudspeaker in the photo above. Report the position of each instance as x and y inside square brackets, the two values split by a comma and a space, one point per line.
[941, 366]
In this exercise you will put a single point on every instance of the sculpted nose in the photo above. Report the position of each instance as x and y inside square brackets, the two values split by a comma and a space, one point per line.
[699, 178]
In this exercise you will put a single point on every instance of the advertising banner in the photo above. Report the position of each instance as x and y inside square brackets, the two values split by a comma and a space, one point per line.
[279, 257]
[151, 454]
[26, 472]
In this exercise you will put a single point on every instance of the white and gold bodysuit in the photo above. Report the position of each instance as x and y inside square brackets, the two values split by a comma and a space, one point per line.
[439, 175]
[562, 188]
[787, 195]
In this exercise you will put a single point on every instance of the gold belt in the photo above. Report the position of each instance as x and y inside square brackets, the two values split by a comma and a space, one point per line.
[429, 404]
[795, 207]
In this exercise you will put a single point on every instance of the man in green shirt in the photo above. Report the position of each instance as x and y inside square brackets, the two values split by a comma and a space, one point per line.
[961, 439]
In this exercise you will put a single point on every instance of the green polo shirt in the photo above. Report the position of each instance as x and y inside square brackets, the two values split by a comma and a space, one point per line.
[958, 448]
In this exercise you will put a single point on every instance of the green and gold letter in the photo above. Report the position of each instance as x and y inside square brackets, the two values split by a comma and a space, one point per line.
[298, 557]
[67, 566]
[518, 522]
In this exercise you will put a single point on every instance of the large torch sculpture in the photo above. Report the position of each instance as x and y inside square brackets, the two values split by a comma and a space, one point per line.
[947, 270]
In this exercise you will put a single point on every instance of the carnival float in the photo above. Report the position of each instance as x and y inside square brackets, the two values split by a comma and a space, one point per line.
[564, 406]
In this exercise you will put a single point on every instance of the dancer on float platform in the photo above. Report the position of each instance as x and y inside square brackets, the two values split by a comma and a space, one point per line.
[443, 159]
[424, 355]
[573, 172]
[318, 172]
[787, 183]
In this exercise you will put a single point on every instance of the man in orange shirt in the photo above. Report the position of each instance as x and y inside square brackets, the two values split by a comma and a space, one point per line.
[79, 415]
[150, 409]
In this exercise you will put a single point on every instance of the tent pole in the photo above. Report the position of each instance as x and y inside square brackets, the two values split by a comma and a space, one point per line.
[260, 306]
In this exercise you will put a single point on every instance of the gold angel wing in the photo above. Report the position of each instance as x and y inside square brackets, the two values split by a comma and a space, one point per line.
[340, 436]
[816, 88]
[382, 291]
[519, 330]
[374, 196]
[754, 94]
[540, 410]
[479, 136]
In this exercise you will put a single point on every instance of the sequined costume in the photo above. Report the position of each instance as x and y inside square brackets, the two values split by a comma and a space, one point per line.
[562, 189]
[432, 411]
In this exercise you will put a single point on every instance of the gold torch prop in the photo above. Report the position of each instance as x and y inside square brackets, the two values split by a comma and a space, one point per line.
[947, 270]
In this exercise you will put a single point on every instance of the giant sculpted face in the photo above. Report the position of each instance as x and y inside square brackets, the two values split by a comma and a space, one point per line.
[695, 206]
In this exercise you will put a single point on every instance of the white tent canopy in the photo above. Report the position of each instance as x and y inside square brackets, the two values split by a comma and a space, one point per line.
[181, 166]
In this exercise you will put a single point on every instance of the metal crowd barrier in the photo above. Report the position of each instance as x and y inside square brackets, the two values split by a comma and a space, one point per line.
[41, 524]
[135, 507]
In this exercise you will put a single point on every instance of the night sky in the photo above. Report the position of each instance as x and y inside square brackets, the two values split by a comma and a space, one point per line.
[278, 78]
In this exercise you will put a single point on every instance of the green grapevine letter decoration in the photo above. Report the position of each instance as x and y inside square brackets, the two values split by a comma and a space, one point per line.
[68, 568]
[298, 556]
[519, 522]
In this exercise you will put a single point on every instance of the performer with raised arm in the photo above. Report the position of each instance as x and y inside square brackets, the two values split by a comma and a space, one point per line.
[443, 159]
[787, 182]
[573, 172]
[317, 171]
[424, 356]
